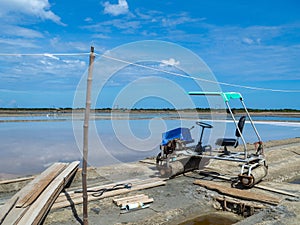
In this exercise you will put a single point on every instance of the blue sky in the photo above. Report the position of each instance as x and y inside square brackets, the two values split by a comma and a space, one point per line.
[249, 43]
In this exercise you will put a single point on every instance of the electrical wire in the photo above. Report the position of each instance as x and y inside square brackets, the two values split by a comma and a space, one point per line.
[99, 192]
[200, 79]
[44, 54]
[154, 69]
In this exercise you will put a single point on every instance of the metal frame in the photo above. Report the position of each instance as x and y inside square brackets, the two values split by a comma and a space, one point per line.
[226, 97]
[249, 162]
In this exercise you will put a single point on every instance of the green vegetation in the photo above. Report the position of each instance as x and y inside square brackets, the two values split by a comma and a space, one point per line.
[235, 110]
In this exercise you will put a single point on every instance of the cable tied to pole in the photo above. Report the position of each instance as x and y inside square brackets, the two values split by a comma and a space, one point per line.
[154, 69]
[200, 79]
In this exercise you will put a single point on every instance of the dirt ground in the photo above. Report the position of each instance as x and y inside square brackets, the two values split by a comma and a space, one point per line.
[180, 200]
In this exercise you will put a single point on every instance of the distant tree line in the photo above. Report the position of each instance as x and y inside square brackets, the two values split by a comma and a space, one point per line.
[69, 109]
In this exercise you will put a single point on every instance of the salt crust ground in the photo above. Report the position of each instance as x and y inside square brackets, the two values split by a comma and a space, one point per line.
[180, 200]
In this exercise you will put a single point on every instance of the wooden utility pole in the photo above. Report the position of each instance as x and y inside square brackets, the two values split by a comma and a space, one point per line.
[86, 138]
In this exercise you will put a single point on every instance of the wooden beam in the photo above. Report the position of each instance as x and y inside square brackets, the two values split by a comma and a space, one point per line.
[10, 214]
[76, 198]
[37, 186]
[144, 201]
[133, 199]
[236, 201]
[118, 200]
[78, 193]
[260, 186]
[40, 207]
[86, 136]
[16, 180]
[14, 216]
[5, 209]
[242, 194]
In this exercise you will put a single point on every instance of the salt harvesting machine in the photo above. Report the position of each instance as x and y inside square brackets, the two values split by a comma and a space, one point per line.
[179, 142]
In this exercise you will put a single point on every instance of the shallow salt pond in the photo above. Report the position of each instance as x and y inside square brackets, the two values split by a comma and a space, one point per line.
[29, 147]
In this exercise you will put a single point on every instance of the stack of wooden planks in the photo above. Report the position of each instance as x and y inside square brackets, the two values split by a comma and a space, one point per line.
[142, 199]
[31, 204]
[69, 198]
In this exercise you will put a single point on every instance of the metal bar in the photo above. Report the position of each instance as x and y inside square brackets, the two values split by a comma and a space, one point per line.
[251, 121]
[242, 169]
[221, 158]
[238, 129]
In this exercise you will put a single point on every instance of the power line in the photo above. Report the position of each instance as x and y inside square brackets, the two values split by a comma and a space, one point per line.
[152, 68]
[44, 54]
[200, 79]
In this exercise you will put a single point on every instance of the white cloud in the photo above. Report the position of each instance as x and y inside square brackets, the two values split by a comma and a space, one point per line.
[256, 50]
[58, 44]
[248, 41]
[77, 62]
[178, 19]
[17, 43]
[100, 36]
[170, 62]
[19, 31]
[105, 27]
[88, 19]
[116, 9]
[37, 8]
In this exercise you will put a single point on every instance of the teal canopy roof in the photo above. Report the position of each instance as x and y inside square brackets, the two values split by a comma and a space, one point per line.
[225, 95]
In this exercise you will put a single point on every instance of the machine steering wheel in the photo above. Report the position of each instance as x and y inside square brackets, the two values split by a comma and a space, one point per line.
[204, 125]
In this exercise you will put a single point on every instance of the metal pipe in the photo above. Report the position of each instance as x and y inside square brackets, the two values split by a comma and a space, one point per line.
[251, 121]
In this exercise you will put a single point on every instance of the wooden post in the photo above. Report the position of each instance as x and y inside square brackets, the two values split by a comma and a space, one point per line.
[85, 137]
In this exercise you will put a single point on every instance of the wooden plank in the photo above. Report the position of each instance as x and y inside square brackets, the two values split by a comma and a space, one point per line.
[11, 214]
[40, 207]
[77, 199]
[74, 194]
[36, 186]
[243, 208]
[136, 198]
[130, 181]
[16, 180]
[145, 200]
[116, 200]
[5, 209]
[242, 194]
[14, 216]
[236, 201]
[255, 186]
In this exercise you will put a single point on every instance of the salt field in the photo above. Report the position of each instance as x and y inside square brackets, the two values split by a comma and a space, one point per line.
[29, 144]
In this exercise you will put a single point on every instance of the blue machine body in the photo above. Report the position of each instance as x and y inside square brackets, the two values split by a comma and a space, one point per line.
[180, 133]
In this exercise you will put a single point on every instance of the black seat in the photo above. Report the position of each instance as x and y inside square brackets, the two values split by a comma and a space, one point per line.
[232, 141]
[226, 142]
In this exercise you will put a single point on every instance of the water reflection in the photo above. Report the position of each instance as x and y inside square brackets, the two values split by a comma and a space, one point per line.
[28, 147]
